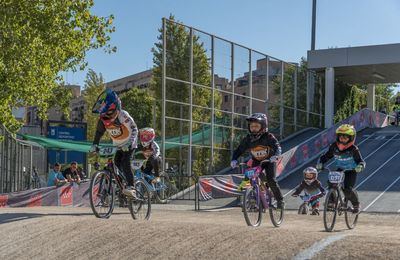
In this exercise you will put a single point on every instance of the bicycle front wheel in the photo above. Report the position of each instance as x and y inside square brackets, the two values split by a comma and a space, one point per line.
[351, 218]
[330, 209]
[140, 207]
[164, 189]
[303, 209]
[275, 214]
[252, 207]
[101, 194]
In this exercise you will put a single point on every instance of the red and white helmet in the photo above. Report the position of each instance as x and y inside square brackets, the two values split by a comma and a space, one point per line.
[146, 136]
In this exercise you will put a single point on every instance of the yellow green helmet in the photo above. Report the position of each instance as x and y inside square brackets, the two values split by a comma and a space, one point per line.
[348, 131]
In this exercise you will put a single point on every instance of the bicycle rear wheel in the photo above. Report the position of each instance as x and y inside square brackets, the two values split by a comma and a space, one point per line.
[351, 218]
[276, 215]
[252, 207]
[101, 194]
[140, 207]
[330, 209]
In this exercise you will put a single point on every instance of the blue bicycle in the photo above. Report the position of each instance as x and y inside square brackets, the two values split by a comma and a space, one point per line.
[162, 189]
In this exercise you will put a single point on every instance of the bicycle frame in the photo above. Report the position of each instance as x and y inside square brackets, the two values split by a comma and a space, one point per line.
[136, 165]
[337, 185]
[147, 179]
[254, 175]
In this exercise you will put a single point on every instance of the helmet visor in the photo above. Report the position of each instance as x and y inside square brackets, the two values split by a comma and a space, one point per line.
[343, 138]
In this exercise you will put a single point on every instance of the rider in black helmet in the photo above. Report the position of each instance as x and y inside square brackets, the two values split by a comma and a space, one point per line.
[262, 145]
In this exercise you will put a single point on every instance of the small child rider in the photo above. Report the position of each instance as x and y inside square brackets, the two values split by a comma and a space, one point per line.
[348, 158]
[123, 131]
[262, 145]
[312, 187]
[150, 151]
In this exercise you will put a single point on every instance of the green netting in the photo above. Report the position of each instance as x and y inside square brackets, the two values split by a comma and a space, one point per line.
[200, 137]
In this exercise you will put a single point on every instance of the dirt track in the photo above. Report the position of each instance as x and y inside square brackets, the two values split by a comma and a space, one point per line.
[74, 233]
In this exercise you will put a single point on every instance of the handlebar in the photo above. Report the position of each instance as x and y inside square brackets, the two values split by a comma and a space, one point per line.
[261, 162]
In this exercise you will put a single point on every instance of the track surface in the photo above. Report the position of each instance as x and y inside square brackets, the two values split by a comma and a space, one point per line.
[74, 233]
[176, 232]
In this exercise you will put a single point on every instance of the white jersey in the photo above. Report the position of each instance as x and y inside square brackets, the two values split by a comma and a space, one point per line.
[123, 131]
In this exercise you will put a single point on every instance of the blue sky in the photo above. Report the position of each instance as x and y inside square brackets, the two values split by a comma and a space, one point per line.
[280, 28]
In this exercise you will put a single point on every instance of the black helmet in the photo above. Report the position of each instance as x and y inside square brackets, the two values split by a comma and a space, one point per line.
[259, 118]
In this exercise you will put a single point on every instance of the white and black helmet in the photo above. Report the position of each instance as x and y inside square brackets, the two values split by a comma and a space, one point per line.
[310, 171]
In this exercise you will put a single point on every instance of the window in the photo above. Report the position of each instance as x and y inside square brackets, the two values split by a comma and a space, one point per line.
[244, 110]
[244, 94]
[226, 98]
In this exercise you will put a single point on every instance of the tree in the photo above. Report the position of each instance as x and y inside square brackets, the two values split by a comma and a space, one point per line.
[178, 67]
[139, 104]
[38, 40]
[350, 99]
[94, 86]
[61, 97]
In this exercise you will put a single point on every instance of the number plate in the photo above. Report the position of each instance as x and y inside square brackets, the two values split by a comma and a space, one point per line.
[335, 177]
[249, 173]
[107, 151]
[136, 164]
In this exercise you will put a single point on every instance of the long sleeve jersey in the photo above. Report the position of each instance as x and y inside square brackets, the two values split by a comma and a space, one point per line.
[347, 159]
[263, 148]
[123, 130]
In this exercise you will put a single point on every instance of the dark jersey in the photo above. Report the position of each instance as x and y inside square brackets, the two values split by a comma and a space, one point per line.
[310, 189]
[263, 148]
[347, 159]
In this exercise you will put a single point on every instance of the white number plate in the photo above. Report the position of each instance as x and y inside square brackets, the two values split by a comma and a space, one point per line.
[335, 177]
[136, 164]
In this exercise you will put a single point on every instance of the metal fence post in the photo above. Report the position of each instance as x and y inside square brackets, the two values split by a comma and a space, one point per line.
[250, 84]
[282, 103]
[212, 103]
[267, 96]
[191, 106]
[163, 91]
[233, 96]
[295, 98]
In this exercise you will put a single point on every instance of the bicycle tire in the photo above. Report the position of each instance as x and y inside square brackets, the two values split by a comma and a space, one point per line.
[350, 217]
[273, 211]
[163, 194]
[103, 176]
[303, 208]
[329, 225]
[140, 207]
[250, 205]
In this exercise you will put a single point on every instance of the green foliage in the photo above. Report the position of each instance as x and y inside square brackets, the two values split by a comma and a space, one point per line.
[38, 40]
[139, 104]
[60, 99]
[94, 85]
[350, 99]
[354, 100]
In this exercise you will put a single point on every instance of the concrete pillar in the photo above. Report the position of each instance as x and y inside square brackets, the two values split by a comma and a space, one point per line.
[371, 96]
[329, 96]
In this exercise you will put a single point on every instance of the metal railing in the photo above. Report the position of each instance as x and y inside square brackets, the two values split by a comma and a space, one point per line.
[17, 171]
[238, 81]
